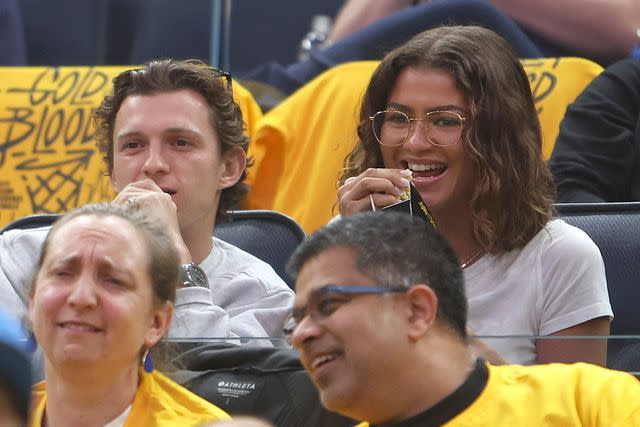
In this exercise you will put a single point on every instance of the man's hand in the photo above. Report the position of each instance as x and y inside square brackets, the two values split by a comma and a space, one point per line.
[146, 194]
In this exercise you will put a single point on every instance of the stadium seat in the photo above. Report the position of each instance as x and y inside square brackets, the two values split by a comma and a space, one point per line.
[268, 235]
[300, 145]
[615, 228]
[555, 83]
[31, 221]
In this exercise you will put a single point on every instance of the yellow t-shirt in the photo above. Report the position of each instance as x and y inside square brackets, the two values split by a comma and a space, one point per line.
[550, 395]
[159, 402]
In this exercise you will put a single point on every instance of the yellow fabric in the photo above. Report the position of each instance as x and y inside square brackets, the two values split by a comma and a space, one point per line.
[159, 402]
[555, 83]
[554, 395]
[300, 145]
[48, 161]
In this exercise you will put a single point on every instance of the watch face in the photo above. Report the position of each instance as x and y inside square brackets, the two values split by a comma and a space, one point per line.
[198, 275]
[194, 276]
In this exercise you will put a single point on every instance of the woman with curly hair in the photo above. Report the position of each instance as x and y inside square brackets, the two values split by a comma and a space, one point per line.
[452, 111]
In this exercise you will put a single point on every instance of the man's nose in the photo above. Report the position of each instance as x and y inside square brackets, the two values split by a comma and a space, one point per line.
[156, 162]
[306, 329]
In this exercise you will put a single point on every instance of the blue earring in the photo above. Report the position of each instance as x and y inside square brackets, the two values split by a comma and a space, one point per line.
[147, 362]
[31, 345]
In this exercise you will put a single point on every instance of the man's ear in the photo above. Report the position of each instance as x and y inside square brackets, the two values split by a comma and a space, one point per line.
[234, 162]
[159, 324]
[422, 309]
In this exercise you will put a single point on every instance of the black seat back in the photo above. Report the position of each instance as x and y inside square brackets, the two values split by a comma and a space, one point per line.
[615, 228]
[268, 235]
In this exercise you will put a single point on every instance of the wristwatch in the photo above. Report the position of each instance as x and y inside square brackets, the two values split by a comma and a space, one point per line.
[192, 275]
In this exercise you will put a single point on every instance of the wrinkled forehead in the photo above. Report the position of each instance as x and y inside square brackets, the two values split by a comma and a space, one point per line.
[111, 233]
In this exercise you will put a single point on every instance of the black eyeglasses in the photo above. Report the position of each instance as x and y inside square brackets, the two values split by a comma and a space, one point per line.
[225, 75]
[324, 301]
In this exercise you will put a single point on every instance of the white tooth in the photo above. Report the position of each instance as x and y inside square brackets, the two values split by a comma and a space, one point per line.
[420, 167]
[77, 326]
[319, 360]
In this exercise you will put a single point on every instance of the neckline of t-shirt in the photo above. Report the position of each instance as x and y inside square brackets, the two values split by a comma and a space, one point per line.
[213, 259]
[482, 264]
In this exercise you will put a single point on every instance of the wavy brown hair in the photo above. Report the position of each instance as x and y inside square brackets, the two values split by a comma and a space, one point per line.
[167, 75]
[514, 193]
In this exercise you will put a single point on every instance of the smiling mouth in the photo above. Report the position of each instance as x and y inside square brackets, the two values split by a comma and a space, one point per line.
[79, 327]
[425, 170]
[322, 360]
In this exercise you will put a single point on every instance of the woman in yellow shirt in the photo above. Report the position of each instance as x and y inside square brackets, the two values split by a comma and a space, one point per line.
[102, 297]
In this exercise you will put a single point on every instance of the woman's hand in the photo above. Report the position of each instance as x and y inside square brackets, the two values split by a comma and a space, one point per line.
[382, 186]
[147, 195]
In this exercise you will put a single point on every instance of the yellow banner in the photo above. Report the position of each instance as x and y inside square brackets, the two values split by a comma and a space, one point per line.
[48, 161]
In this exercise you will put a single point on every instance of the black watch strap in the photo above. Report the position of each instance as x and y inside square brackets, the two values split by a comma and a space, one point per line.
[193, 275]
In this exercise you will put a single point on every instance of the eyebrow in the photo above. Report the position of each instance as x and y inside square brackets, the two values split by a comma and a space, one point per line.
[182, 130]
[298, 310]
[73, 261]
[173, 131]
[446, 107]
[65, 261]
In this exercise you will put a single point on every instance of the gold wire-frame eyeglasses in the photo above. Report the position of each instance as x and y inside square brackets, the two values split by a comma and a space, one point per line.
[443, 128]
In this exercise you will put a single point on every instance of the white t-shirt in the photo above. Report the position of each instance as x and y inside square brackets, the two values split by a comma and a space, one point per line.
[556, 281]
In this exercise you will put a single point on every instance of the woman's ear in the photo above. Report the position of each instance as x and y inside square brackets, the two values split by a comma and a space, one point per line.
[30, 311]
[422, 310]
[159, 324]
[32, 295]
[234, 162]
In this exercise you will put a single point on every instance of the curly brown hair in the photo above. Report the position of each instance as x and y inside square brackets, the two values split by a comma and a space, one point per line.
[513, 198]
[167, 75]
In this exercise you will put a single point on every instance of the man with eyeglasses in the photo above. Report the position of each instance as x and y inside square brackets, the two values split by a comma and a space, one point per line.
[380, 323]
[173, 142]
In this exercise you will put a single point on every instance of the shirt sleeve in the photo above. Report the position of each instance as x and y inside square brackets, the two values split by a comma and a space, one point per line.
[261, 310]
[195, 316]
[19, 253]
[573, 282]
[248, 301]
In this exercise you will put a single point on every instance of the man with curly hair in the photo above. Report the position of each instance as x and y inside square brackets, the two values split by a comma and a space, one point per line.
[173, 141]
